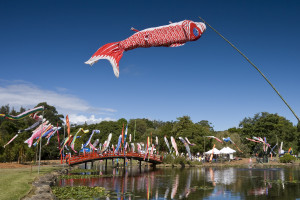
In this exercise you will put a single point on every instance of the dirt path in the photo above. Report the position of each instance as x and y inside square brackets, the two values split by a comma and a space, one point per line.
[17, 165]
[12, 165]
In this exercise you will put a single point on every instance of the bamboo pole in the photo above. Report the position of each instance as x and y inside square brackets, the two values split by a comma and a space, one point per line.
[255, 68]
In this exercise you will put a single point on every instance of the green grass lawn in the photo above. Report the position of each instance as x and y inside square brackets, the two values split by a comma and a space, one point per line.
[16, 183]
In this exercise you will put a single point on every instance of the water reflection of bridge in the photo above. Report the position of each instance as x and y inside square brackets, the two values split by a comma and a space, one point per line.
[91, 157]
[193, 183]
[131, 183]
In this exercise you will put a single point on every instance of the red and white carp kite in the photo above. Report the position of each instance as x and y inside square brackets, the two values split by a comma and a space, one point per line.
[172, 35]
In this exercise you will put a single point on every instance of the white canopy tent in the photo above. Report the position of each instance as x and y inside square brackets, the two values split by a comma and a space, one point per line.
[227, 150]
[216, 151]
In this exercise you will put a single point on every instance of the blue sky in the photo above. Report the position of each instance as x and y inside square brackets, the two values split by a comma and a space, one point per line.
[44, 44]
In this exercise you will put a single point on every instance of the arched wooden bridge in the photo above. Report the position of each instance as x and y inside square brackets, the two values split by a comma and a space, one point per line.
[89, 157]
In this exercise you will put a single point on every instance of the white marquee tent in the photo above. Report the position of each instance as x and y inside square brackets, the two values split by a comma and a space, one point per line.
[216, 151]
[227, 150]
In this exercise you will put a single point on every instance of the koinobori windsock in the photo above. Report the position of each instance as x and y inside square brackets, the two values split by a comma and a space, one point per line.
[93, 146]
[125, 136]
[192, 144]
[167, 143]
[119, 144]
[90, 138]
[67, 139]
[106, 143]
[32, 126]
[172, 35]
[186, 145]
[132, 147]
[22, 115]
[227, 140]
[174, 145]
[27, 129]
[139, 147]
[37, 133]
[75, 137]
[52, 134]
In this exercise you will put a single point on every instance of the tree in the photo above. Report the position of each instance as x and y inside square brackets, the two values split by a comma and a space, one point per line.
[51, 114]
[194, 132]
[271, 126]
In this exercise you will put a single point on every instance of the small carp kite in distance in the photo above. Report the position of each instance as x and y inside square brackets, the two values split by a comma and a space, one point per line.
[172, 35]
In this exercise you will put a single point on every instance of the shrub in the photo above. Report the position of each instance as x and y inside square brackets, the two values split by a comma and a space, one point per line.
[287, 158]
[168, 159]
[171, 159]
[180, 160]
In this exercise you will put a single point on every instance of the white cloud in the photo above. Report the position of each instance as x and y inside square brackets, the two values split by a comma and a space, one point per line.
[81, 119]
[21, 93]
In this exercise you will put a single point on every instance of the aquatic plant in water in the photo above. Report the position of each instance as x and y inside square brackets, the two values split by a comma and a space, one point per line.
[279, 181]
[84, 176]
[204, 187]
[79, 192]
[84, 170]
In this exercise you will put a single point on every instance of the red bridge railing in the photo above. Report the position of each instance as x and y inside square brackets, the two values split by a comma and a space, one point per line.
[86, 157]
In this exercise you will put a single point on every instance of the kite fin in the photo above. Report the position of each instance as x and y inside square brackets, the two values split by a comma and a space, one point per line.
[26, 141]
[29, 142]
[177, 45]
[72, 147]
[111, 52]
[133, 29]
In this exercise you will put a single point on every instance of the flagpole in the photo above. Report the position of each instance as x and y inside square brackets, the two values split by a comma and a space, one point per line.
[40, 151]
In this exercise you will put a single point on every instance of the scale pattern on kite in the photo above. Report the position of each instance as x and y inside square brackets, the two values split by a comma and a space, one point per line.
[172, 35]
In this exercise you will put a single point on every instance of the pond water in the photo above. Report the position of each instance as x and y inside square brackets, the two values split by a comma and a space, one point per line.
[196, 183]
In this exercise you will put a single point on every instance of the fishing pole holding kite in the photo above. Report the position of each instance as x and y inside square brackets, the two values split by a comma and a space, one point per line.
[254, 67]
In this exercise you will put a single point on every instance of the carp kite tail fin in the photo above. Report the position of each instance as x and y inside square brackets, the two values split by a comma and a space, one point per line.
[111, 52]
[29, 142]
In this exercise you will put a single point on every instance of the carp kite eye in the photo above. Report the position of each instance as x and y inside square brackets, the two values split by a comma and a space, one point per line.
[196, 32]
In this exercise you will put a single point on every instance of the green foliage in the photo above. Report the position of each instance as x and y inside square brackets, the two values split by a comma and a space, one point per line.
[169, 159]
[78, 192]
[195, 132]
[272, 126]
[237, 139]
[275, 128]
[287, 158]
[18, 150]
[180, 160]
[85, 176]
[172, 159]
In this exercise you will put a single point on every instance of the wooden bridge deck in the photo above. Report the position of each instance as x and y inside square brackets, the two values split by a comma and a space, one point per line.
[88, 157]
